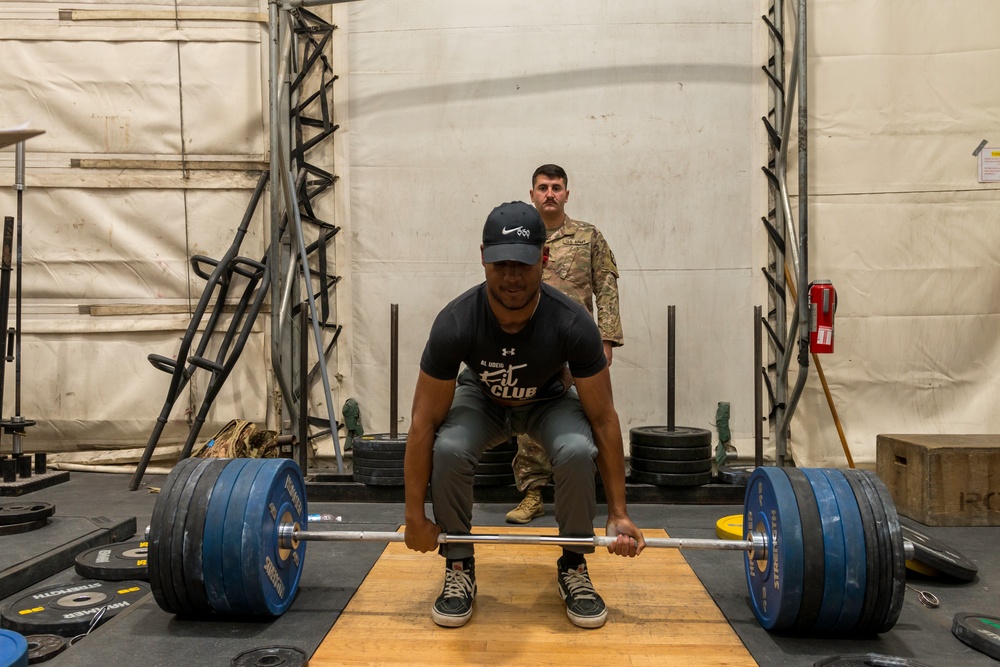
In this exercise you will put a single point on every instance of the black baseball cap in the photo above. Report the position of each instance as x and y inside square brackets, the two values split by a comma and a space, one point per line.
[513, 232]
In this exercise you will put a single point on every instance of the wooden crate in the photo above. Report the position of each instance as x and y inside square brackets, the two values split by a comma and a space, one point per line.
[942, 480]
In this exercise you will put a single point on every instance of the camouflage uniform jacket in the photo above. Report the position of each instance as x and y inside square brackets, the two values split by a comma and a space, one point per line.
[582, 266]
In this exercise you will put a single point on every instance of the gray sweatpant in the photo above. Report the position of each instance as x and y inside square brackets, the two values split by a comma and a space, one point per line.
[475, 423]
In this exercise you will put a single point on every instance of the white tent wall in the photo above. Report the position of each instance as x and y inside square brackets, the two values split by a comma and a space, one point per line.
[900, 95]
[654, 110]
[98, 235]
[446, 107]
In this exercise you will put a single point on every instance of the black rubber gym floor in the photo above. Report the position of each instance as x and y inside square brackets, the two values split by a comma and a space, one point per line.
[144, 634]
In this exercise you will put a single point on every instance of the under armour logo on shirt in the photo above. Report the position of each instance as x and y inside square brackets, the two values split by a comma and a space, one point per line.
[507, 351]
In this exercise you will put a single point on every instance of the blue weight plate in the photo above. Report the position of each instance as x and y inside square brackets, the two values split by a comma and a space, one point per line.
[834, 549]
[212, 540]
[774, 583]
[13, 649]
[271, 574]
[160, 529]
[194, 536]
[813, 561]
[898, 561]
[855, 567]
[232, 538]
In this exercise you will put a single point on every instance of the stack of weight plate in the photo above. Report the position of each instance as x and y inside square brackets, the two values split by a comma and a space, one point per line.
[664, 456]
[837, 564]
[494, 468]
[213, 537]
[22, 516]
[378, 459]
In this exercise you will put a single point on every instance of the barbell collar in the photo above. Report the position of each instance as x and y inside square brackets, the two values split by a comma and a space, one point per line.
[290, 535]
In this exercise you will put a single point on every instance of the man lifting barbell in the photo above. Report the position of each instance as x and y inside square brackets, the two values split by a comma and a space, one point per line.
[524, 345]
[824, 552]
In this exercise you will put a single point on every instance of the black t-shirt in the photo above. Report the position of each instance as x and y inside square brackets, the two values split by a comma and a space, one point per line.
[520, 367]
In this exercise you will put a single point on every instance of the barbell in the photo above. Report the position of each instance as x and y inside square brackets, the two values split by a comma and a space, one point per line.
[823, 552]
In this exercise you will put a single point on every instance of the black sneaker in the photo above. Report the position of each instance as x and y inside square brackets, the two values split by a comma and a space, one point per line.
[453, 607]
[583, 605]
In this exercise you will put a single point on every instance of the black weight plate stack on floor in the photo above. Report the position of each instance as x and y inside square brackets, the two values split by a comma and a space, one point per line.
[377, 459]
[114, 562]
[663, 456]
[22, 516]
[23, 512]
[495, 467]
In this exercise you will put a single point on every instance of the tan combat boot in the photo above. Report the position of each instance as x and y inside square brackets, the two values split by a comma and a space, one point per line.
[531, 506]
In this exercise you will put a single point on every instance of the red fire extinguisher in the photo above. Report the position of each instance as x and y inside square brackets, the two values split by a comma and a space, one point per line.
[822, 306]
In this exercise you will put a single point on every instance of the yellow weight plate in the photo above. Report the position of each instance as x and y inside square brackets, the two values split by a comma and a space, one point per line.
[730, 527]
[921, 568]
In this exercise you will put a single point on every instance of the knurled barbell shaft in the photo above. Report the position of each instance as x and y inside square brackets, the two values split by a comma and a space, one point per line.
[756, 545]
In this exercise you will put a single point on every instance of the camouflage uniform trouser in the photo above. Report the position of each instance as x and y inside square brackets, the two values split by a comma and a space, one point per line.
[532, 469]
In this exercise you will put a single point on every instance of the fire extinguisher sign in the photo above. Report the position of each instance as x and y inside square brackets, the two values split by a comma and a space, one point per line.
[822, 306]
[824, 336]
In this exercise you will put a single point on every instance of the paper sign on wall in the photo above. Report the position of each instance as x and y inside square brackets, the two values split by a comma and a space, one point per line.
[989, 165]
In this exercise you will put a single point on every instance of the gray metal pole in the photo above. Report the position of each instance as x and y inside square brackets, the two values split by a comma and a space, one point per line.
[394, 371]
[803, 277]
[758, 398]
[671, 364]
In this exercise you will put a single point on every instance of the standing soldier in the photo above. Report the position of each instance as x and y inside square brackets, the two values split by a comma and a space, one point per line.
[581, 266]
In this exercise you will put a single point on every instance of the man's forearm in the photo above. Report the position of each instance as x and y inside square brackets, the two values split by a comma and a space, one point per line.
[417, 472]
[611, 463]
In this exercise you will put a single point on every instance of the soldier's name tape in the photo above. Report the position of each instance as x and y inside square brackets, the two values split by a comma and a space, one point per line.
[823, 550]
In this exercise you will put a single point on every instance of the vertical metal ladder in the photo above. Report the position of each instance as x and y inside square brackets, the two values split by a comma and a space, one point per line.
[780, 225]
[298, 43]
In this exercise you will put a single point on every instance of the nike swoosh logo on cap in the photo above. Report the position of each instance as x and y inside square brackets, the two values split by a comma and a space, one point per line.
[510, 231]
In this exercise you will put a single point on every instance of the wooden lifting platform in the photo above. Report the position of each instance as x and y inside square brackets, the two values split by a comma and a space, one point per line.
[659, 613]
